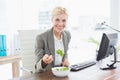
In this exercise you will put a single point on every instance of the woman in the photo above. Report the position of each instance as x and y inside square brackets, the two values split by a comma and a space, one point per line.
[51, 46]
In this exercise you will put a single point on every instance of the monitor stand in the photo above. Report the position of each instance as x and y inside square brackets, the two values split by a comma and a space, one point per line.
[116, 61]
[116, 56]
[111, 66]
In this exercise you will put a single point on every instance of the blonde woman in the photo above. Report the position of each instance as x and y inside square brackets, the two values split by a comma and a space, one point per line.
[51, 46]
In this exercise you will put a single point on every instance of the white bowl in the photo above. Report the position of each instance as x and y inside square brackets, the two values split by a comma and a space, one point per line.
[60, 71]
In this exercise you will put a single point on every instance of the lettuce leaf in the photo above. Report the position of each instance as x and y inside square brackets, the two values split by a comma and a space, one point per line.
[60, 52]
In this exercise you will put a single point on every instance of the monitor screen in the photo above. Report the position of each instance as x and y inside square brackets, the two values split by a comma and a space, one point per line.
[107, 46]
[108, 41]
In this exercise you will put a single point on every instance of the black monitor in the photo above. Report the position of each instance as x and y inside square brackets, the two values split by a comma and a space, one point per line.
[107, 48]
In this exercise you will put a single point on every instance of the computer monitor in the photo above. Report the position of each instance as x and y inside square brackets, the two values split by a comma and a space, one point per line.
[107, 48]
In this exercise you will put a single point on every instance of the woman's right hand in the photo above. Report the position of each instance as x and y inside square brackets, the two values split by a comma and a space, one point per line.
[47, 59]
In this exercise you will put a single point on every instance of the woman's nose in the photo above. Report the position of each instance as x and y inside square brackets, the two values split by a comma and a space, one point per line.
[61, 23]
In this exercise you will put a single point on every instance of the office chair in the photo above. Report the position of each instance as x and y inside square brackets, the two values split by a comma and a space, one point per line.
[27, 44]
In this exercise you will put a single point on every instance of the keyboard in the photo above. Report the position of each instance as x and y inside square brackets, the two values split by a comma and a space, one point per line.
[79, 66]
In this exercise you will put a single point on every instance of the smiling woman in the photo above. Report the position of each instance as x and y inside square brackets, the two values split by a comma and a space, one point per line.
[51, 46]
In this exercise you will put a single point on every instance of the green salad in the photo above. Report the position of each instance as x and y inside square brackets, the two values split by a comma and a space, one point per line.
[60, 52]
[62, 69]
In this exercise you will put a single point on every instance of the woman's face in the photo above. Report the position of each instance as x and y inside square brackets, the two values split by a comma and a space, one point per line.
[59, 22]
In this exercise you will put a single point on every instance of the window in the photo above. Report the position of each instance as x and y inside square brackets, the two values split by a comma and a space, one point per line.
[83, 17]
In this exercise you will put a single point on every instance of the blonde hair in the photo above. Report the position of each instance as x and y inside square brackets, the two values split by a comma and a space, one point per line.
[58, 11]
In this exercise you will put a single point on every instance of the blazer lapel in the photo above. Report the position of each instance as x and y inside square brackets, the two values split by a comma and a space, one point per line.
[50, 41]
[64, 41]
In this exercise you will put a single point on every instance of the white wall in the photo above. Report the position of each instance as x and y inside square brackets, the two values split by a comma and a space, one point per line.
[3, 16]
[119, 14]
[115, 14]
[10, 16]
[23, 14]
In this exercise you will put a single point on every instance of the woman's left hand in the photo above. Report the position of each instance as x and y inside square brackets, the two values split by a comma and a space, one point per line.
[65, 63]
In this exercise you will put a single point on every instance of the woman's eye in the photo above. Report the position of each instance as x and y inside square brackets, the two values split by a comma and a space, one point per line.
[57, 19]
[64, 20]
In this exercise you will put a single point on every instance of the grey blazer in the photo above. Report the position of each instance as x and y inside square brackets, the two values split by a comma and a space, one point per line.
[45, 45]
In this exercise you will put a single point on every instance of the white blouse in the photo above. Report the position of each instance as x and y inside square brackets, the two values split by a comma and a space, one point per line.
[58, 45]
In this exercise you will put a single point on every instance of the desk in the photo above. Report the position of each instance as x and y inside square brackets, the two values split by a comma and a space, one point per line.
[91, 73]
[14, 59]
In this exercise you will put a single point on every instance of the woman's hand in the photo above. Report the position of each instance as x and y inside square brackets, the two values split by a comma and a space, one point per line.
[47, 59]
[65, 63]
